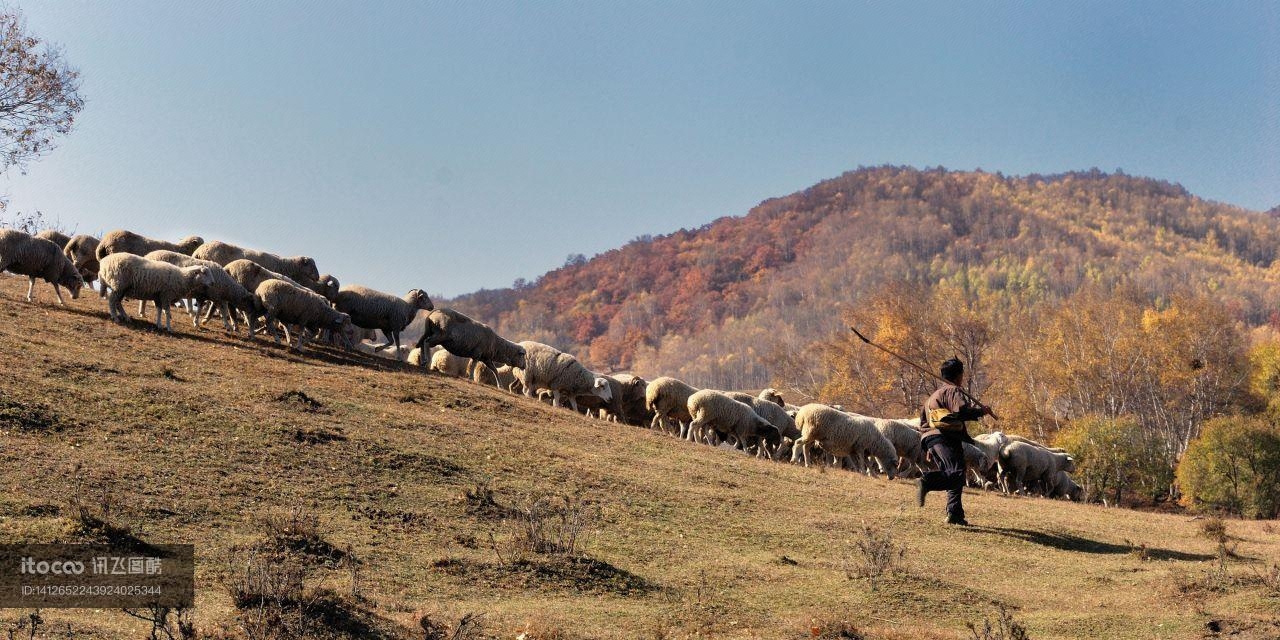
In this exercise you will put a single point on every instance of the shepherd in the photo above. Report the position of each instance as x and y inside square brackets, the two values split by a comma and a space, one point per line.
[947, 414]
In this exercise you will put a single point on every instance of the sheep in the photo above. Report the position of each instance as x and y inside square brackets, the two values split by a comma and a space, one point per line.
[57, 237]
[462, 336]
[991, 444]
[123, 241]
[841, 434]
[560, 373]
[1033, 443]
[300, 268]
[504, 378]
[251, 274]
[450, 365]
[631, 403]
[772, 395]
[415, 354]
[132, 276]
[975, 459]
[82, 250]
[224, 292]
[298, 306]
[33, 257]
[327, 286]
[372, 309]
[668, 400]
[1022, 463]
[773, 412]
[714, 412]
[594, 405]
[906, 441]
[1064, 487]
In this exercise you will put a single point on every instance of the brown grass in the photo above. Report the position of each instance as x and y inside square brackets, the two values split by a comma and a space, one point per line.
[198, 436]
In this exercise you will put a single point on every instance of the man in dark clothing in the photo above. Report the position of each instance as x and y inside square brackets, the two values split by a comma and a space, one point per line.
[945, 415]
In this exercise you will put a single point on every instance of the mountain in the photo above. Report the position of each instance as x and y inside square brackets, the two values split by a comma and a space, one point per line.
[715, 304]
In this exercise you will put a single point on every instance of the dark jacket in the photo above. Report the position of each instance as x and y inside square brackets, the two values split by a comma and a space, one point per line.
[961, 410]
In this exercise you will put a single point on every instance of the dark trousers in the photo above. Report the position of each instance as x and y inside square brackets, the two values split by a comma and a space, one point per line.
[948, 453]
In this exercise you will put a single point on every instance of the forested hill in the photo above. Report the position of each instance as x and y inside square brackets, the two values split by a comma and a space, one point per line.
[713, 304]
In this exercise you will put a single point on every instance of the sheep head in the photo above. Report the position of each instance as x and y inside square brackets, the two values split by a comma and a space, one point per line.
[773, 396]
[601, 389]
[189, 244]
[420, 300]
[71, 279]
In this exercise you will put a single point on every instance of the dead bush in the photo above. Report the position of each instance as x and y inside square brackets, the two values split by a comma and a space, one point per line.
[1002, 627]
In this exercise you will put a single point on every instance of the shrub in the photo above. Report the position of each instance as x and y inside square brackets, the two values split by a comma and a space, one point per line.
[1115, 457]
[1233, 466]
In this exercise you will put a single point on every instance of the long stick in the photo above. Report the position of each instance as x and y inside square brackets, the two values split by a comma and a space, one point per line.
[926, 372]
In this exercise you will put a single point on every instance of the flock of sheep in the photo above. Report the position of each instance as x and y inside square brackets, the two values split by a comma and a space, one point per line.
[268, 292]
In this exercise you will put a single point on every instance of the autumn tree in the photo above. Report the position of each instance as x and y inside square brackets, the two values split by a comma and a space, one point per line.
[1234, 465]
[39, 93]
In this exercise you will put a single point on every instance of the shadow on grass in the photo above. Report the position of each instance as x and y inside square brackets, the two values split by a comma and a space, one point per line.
[1069, 542]
[573, 574]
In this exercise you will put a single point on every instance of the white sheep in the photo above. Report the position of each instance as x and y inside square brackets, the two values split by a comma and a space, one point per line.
[327, 286]
[668, 399]
[773, 412]
[560, 373]
[300, 268]
[82, 250]
[304, 308]
[450, 365]
[33, 257]
[630, 400]
[132, 276]
[841, 434]
[57, 237]
[224, 293]
[372, 309]
[462, 336]
[1024, 463]
[123, 241]
[1064, 487]
[905, 439]
[991, 444]
[721, 417]
[504, 378]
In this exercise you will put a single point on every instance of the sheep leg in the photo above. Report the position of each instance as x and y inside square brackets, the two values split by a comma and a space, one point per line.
[302, 340]
[57, 291]
[31, 288]
[573, 403]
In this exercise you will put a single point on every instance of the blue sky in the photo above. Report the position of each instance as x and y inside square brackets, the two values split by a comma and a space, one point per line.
[454, 146]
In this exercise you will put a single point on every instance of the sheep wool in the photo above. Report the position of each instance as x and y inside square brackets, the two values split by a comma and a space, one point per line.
[300, 268]
[668, 399]
[371, 309]
[82, 251]
[841, 434]
[462, 336]
[33, 257]
[224, 291]
[132, 276]
[560, 373]
[289, 304]
[716, 412]
[124, 241]
[450, 365]
[57, 237]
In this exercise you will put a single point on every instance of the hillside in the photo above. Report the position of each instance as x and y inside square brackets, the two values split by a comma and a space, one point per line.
[232, 445]
[713, 304]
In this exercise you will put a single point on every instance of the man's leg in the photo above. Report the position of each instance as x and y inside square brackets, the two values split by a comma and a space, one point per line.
[950, 458]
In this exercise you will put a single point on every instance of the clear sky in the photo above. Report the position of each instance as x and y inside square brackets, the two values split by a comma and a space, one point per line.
[453, 146]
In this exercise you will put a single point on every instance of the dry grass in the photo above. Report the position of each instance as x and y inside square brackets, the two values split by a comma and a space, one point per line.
[209, 439]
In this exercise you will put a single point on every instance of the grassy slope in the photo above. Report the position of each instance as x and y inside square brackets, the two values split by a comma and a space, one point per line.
[198, 444]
